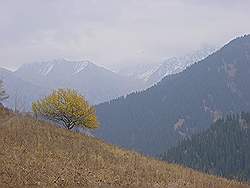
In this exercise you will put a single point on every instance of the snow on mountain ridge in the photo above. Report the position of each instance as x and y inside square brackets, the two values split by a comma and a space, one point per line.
[177, 64]
[46, 70]
[145, 76]
[80, 66]
[151, 74]
[45, 67]
[138, 71]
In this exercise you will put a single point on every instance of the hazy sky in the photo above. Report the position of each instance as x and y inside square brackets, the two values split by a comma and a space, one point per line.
[115, 31]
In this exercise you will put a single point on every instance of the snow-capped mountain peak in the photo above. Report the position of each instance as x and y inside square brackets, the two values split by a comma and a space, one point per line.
[96, 83]
[177, 64]
[44, 68]
[151, 74]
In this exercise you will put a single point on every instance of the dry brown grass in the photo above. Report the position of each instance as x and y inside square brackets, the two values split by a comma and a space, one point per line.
[34, 153]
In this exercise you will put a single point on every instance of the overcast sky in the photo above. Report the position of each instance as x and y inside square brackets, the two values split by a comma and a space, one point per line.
[111, 32]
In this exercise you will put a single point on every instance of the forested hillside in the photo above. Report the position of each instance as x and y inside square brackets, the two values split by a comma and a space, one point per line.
[224, 149]
[156, 119]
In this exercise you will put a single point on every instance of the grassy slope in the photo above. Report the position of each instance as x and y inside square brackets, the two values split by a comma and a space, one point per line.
[34, 153]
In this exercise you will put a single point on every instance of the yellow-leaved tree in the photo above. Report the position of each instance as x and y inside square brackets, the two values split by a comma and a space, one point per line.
[66, 107]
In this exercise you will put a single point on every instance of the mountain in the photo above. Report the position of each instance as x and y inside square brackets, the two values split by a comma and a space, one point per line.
[34, 153]
[154, 120]
[177, 64]
[21, 93]
[138, 71]
[222, 150]
[97, 84]
[153, 73]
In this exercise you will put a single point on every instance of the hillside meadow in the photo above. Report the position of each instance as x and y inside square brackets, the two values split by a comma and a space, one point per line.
[35, 153]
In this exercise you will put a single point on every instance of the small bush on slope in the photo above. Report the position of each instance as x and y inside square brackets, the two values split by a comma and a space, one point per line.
[34, 153]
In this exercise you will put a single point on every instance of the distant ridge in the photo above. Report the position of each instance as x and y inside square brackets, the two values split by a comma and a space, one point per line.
[21, 93]
[96, 83]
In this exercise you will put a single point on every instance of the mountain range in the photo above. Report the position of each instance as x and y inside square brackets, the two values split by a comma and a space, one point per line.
[175, 65]
[96, 83]
[181, 104]
[153, 73]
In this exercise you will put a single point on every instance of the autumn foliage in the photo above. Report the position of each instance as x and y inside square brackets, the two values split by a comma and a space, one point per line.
[67, 107]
